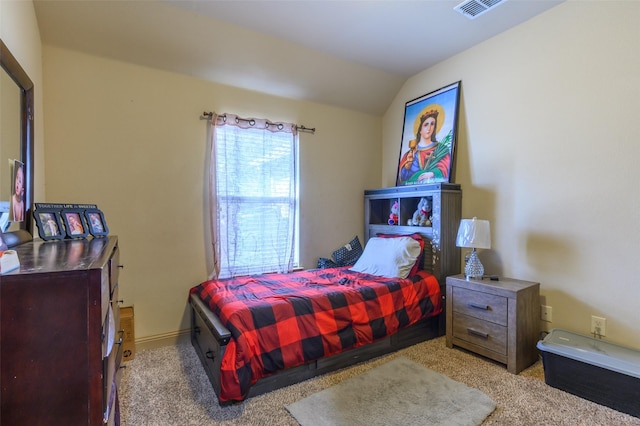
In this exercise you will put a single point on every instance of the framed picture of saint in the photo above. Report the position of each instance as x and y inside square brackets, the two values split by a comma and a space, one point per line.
[429, 133]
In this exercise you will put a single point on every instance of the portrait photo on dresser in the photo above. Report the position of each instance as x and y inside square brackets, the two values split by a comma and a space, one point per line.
[96, 223]
[49, 225]
[17, 195]
[74, 223]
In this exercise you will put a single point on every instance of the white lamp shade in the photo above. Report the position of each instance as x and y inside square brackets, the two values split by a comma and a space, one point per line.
[474, 233]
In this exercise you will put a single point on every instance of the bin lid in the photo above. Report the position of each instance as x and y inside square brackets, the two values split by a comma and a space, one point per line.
[592, 351]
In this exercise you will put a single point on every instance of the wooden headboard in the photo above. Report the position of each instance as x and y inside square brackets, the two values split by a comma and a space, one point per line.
[441, 256]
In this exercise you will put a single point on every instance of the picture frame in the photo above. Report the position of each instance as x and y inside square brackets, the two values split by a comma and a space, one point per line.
[49, 223]
[17, 213]
[74, 222]
[96, 223]
[434, 117]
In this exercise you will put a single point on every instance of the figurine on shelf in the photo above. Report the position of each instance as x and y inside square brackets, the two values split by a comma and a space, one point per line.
[422, 217]
[393, 217]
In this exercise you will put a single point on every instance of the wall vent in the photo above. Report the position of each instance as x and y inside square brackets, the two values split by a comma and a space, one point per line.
[474, 8]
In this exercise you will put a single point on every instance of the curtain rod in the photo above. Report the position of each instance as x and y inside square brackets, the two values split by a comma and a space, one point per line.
[207, 116]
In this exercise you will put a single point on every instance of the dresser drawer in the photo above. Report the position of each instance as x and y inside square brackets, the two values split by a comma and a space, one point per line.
[105, 292]
[111, 379]
[481, 333]
[485, 306]
[114, 268]
[111, 324]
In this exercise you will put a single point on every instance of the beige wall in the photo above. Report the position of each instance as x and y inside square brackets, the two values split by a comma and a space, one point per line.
[548, 151]
[20, 33]
[129, 139]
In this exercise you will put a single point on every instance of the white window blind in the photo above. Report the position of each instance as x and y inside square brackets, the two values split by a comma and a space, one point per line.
[256, 196]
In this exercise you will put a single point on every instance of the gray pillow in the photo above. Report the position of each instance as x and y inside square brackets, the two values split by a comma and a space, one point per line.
[348, 254]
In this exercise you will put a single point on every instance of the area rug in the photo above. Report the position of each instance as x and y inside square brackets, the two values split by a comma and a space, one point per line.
[399, 392]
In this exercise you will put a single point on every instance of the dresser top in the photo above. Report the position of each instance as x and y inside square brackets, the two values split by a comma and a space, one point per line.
[40, 256]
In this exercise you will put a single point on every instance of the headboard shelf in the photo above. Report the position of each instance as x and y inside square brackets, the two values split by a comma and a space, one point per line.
[442, 258]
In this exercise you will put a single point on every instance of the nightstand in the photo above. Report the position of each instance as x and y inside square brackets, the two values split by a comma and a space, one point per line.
[496, 319]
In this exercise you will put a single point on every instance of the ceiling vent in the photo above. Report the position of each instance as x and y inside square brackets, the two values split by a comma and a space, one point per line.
[474, 8]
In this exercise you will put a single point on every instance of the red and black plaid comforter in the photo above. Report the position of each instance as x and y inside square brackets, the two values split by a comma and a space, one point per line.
[279, 321]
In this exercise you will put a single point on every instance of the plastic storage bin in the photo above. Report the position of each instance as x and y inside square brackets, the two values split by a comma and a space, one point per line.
[593, 369]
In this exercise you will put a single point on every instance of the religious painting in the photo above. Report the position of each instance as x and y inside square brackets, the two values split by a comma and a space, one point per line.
[429, 133]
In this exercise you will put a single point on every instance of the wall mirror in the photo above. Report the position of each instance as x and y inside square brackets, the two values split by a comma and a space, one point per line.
[16, 150]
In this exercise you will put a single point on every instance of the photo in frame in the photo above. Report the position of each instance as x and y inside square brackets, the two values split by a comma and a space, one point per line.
[17, 191]
[49, 223]
[429, 132]
[96, 223]
[74, 222]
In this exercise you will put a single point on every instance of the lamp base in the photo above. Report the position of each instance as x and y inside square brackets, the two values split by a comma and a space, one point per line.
[474, 268]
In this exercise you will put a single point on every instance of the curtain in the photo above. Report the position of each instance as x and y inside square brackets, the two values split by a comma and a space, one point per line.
[253, 195]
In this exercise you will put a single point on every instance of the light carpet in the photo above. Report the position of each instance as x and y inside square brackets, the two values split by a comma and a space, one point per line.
[168, 386]
[400, 392]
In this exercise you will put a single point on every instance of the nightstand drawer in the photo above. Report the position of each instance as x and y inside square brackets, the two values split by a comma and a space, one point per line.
[485, 306]
[481, 333]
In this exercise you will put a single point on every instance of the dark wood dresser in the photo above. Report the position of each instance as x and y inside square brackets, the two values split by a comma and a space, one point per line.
[60, 337]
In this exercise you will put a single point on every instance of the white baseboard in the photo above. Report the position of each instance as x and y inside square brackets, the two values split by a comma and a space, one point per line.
[160, 340]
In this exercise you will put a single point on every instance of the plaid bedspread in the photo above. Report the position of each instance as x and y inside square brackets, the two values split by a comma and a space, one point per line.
[279, 321]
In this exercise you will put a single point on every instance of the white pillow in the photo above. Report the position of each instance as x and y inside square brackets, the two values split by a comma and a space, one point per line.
[388, 257]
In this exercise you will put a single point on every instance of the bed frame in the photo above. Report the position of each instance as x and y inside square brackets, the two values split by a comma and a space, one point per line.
[441, 257]
[210, 337]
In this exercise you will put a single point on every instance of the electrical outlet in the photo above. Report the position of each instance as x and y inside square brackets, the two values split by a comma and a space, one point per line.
[598, 326]
[545, 313]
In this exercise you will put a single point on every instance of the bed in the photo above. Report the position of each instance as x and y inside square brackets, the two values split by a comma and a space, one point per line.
[311, 322]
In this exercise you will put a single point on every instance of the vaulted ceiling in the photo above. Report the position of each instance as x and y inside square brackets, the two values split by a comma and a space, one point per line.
[354, 54]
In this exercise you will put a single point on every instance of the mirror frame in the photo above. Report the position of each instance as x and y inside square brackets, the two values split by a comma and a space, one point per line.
[10, 64]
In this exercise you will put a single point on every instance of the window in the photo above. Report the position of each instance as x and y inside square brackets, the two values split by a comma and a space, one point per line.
[256, 196]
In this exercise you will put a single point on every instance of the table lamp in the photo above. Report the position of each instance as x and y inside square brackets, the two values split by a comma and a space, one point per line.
[474, 233]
